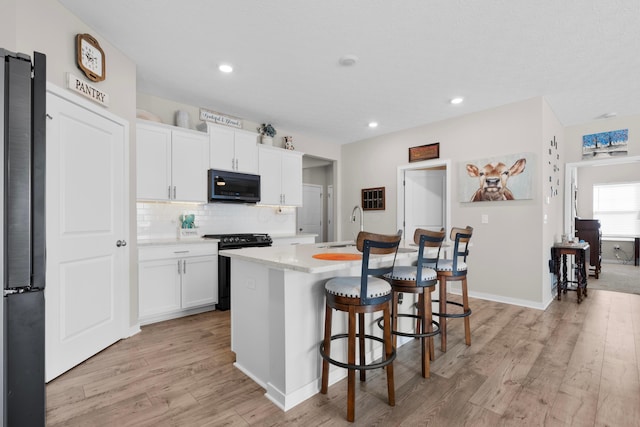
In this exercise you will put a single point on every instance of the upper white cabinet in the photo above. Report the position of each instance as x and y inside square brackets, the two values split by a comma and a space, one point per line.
[233, 149]
[280, 176]
[172, 163]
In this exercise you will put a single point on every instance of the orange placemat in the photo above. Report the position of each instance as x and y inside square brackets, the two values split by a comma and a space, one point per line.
[329, 256]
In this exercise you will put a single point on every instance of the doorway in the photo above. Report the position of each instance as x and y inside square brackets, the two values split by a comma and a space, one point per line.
[87, 293]
[614, 276]
[320, 172]
[424, 200]
[310, 217]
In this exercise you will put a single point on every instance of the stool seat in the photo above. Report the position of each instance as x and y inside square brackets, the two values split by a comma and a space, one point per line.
[410, 273]
[350, 287]
[447, 265]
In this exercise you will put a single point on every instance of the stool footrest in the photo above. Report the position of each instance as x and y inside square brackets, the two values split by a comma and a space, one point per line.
[357, 366]
[453, 315]
[410, 334]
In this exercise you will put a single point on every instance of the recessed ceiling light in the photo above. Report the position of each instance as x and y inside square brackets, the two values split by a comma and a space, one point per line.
[373, 124]
[457, 100]
[348, 60]
[225, 68]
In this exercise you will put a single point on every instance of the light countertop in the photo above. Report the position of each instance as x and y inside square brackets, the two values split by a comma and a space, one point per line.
[300, 257]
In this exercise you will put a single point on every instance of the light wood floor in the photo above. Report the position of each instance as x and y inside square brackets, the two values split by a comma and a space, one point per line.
[569, 365]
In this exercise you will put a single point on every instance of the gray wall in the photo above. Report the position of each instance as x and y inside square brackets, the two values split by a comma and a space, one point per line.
[508, 260]
[46, 26]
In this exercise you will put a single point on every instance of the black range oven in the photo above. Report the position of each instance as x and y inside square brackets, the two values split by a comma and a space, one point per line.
[233, 241]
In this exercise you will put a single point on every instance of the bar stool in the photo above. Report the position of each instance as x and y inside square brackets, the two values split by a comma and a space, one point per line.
[359, 295]
[420, 280]
[450, 270]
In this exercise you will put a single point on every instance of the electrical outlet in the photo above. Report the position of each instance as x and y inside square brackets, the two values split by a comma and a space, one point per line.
[616, 247]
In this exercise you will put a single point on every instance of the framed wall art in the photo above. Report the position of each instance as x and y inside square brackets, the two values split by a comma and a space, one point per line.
[491, 179]
[424, 152]
[605, 144]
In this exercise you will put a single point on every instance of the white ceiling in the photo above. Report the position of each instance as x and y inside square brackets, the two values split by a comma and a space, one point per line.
[414, 56]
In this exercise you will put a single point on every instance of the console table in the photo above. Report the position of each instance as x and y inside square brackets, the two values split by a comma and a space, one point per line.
[579, 251]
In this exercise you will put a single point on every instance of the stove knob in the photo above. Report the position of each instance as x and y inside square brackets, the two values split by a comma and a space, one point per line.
[237, 239]
[225, 239]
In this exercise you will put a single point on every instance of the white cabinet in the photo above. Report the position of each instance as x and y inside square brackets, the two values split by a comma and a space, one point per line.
[172, 163]
[176, 280]
[280, 176]
[234, 150]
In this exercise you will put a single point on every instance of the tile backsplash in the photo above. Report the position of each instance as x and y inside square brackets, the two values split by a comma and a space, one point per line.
[160, 220]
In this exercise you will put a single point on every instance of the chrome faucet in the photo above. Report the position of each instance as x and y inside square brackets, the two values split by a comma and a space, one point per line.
[353, 216]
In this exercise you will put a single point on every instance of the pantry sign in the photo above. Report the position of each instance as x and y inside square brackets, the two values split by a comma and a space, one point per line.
[221, 119]
[85, 89]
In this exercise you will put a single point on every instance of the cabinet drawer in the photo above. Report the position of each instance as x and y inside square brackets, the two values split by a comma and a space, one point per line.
[149, 253]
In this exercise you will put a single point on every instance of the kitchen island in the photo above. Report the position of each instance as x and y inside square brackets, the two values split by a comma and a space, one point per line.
[277, 315]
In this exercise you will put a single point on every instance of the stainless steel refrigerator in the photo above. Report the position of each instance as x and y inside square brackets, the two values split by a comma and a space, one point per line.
[22, 126]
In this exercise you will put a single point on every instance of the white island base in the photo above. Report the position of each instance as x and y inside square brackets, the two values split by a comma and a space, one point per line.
[277, 318]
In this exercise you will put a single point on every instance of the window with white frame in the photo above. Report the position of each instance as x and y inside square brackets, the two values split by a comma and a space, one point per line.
[617, 206]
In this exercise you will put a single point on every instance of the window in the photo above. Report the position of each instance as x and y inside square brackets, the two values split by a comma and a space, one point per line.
[617, 206]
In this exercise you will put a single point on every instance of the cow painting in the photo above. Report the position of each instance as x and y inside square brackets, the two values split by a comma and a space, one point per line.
[493, 179]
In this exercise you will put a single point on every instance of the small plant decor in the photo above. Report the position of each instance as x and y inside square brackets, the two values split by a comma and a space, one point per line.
[267, 129]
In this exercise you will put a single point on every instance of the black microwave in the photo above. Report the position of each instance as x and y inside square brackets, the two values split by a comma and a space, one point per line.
[225, 186]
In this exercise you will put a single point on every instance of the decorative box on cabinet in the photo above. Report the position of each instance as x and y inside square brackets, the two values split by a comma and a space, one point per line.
[172, 163]
[233, 150]
[589, 231]
[176, 280]
[280, 176]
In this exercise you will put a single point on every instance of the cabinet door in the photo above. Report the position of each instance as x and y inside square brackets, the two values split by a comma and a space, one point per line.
[246, 152]
[270, 176]
[199, 281]
[292, 178]
[153, 162]
[221, 148]
[158, 287]
[189, 154]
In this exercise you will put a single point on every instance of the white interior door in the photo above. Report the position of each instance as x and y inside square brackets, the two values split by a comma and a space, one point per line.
[330, 222]
[87, 275]
[424, 199]
[310, 216]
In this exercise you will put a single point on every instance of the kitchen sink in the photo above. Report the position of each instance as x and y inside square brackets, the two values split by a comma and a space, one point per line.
[338, 245]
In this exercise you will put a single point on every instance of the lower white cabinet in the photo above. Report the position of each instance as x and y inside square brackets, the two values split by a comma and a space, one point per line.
[176, 280]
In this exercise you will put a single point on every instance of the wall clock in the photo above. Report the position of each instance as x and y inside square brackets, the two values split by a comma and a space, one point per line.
[90, 57]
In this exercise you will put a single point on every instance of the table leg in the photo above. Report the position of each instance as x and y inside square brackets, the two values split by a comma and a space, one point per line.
[579, 277]
[565, 280]
[584, 272]
[556, 270]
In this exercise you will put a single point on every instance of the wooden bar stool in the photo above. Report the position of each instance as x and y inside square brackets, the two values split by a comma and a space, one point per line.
[454, 269]
[367, 293]
[420, 280]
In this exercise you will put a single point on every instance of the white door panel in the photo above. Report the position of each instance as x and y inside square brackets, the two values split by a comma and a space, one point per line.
[86, 305]
[87, 285]
[310, 215]
[424, 200]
